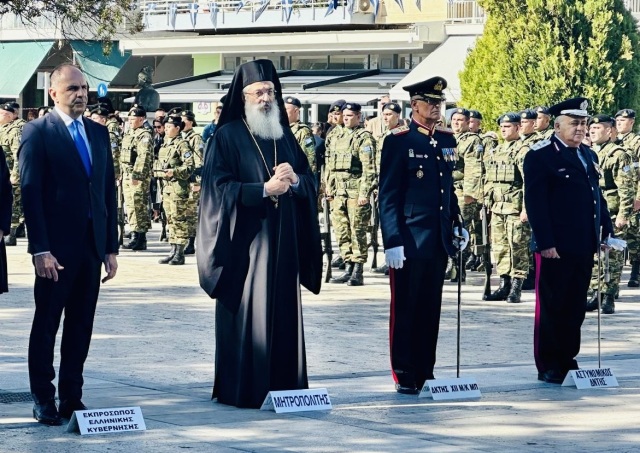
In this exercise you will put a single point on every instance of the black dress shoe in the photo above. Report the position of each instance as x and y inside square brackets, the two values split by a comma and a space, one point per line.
[552, 377]
[407, 389]
[47, 413]
[68, 407]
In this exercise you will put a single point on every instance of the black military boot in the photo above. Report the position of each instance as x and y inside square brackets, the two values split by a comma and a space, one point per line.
[190, 249]
[471, 263]
[635, 273]
[592, 303]
[503, 290]
[516, 290]
[11, 239]
[20, 231]
[133, 242]
[178, 258]
[337, 262]
[346, 275]
[128, 235]
[608, 305]
[357, 279]
[166, 259]
[529, 282]
[141, 242]
[384, 269]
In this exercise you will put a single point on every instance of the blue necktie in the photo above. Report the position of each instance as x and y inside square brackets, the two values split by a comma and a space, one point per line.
[81, 146]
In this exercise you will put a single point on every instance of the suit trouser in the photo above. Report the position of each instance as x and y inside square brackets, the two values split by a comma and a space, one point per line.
[416, 298]
[75, 293]
[561, 297]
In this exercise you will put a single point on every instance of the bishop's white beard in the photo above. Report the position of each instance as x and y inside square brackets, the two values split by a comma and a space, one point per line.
[265, 125]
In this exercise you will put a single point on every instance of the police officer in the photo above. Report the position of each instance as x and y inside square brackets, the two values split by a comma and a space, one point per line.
[418, 208]
[510, 236]
[10, 135]
[197, 147]
[136, 158]
[618, 185]
[543, 126]
[175, 160]
[301, 131]
[352, 175]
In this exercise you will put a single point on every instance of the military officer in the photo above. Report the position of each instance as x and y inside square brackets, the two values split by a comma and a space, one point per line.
[136, 158]
[418, 207]
[510, 236]
[175, 161]
[352, 175]
[10, 135]
[630, 141]
[197, 147]
[301, 131]
[618, 184]
[468, 180]
[543, 126]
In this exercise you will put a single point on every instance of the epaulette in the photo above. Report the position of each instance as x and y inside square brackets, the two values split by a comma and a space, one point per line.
[400, 130]
[540, 144]
[446, 130]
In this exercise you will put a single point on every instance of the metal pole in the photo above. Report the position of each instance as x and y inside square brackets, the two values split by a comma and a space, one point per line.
[459, 308]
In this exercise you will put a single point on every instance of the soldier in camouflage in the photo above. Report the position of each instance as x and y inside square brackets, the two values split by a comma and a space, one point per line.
[543, 126]
[10, 134]
[136, 158]
[196, 143]
[468, 182]
[301, 131]
[489, 139]
[503, 196]
[618, 184]
[351, 179]
[176, 165]
[630, 141]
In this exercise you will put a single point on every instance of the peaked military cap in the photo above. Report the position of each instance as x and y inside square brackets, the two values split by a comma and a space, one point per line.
[138, 111]
[174, 111]
[572, 107]
[475, 114]
[601, 118]
[15, 105]
[543, 109]
[509, 117]
[626, 113]
[353, 106]
[337, 105]
[174, 120]
[528, 114]
[462, 111]
[189, 115]
[393, 106]
[8, 107]
[293, 101]
[429, 89]
[102, 111]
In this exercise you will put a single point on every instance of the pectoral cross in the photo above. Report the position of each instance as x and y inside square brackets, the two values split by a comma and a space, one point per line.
[433, 142]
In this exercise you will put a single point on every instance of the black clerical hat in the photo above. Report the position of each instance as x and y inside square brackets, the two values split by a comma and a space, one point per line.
[429, 89]
[509, 117]
[353, 106]
[138, 111]
[462, 111]
[393, 106]
[572, 107]
[189, 115]
[626, 113]
[475, 114]
[293, 101]
[601, 118]
[528, 114]
[223, 99]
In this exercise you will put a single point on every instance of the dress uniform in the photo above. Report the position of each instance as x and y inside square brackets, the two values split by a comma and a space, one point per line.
[618, 184]
[566, 211]
[418, 207]
[196, 143]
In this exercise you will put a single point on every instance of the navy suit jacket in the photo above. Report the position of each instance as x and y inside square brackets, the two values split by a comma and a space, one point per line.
[58, 197]
[564, 202]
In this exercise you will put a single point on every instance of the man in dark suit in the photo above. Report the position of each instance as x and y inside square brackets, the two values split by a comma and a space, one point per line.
[569, 219]
[418, 208]
[69, 198]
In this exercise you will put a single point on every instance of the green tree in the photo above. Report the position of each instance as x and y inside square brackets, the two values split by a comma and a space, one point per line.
[539, 52]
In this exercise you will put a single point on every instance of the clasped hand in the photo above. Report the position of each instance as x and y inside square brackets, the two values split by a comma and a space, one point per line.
[281, 180]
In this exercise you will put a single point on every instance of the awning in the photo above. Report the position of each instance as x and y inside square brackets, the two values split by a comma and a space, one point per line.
[446, 61]
[19, 62]
[98, 67]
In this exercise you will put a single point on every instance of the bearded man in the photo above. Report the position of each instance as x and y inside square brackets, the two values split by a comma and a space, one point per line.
[259, 241]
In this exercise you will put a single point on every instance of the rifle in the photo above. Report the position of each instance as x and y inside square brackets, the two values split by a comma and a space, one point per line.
[375, 226]
[486, 253]
[325, 234]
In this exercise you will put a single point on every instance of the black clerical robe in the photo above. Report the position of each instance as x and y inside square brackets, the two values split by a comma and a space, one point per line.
[252, 257]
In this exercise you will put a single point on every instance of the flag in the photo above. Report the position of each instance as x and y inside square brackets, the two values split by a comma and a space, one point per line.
[376, 6]
[419, 4]
[350, 6]
[147, 12]
[333, 5]
[193, 13]
[287, 6]
[173, 9]
[399, 2]
[240, 5]
[264, 4]
[213, 14]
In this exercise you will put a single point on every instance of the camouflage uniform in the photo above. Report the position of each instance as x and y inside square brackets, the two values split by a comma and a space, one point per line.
[618, 184]
[115, 138]
[197, 148]
[544, 135]
[304, 137]
[631, 143]
[10, 135]
[489, 141]
[136, 158]
[351, 175]
[176, 154]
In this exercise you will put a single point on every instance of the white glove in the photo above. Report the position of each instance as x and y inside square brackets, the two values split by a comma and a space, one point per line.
[616, 244]
[395, 257]
[460, 241]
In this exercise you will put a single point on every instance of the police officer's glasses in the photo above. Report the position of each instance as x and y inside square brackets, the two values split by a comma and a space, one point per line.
[261, 93]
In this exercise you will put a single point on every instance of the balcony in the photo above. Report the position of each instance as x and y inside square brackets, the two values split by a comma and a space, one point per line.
[465, 12]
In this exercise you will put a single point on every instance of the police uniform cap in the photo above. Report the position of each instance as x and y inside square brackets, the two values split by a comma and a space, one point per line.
[336, 106]
[174, 111]
[528, 114]
[601, 118]
[353, 106]
[626, 113]
[174, 120]
[475, 114]
[189, 115]
[137, 111]
[293, 101]
[8, 107]
[100, 110]
[462, 111]
[542, 109]
[509, 117]
[393, 106]
[432, 88]
[572, 107]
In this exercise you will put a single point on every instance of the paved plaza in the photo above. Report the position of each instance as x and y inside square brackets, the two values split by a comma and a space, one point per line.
[153, 347]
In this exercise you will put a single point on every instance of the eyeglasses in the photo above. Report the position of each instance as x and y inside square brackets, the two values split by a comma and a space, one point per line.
[157, 127]
[433, 102]
[259, 94]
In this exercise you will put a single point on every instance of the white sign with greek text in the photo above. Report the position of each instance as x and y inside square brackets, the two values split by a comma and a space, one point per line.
[590, 378]
[106, 421]
[297, 401]
[450, 389]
